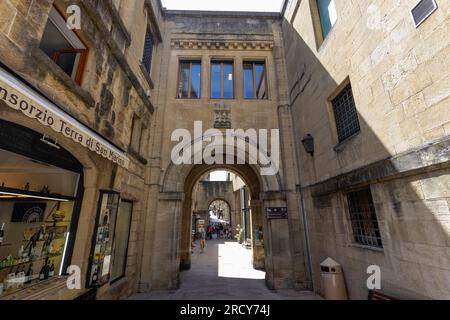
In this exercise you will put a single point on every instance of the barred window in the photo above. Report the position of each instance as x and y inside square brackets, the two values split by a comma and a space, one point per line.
[148, 51]
[364, 218]
[345, 114]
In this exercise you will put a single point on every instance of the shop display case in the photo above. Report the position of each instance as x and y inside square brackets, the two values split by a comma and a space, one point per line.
[101, 254]
[33, 239]
[39, 208]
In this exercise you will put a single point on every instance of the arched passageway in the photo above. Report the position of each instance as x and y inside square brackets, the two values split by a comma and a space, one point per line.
[255, 222]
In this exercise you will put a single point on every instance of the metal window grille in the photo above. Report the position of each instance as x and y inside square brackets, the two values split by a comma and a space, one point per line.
[364, 219]
[148, 51]
[345, 114]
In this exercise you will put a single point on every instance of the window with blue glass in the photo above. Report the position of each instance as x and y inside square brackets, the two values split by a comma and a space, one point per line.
[222, 74]
[189, 80]
[255, 83]
[327, 14]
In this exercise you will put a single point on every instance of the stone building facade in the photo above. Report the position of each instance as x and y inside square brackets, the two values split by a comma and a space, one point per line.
[399, 78]
[374, 191]
[205, 38]
[113, 96]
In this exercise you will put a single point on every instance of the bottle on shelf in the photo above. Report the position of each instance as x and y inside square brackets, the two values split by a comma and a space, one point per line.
[43, 271]
[51, 272]
[18, 270]
[21, 278]
[100, 234]
[33, 251]
[21, 251]
[50, 249]
[95, 275]
[29, 274]
[41, 233]
[2, 233]
[106, 233]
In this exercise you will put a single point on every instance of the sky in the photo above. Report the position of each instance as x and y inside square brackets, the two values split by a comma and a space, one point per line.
[225, 5]
[218, 176]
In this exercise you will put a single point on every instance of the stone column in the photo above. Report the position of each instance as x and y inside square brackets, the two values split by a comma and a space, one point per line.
[256, 221]
[164, 271]
[279, 273]
[186, 235]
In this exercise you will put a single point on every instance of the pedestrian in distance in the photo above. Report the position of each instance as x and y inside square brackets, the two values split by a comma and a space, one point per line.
[202, 239]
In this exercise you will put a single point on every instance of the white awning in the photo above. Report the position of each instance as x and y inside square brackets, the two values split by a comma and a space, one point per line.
[21, 97]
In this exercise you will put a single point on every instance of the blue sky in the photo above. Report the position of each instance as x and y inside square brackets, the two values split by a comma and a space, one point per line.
[224, 5]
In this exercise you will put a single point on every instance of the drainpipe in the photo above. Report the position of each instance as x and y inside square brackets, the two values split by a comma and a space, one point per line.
[306, 234]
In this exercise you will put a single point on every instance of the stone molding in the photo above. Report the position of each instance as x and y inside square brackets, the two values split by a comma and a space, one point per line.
[153, 19]
[117, 53]
[431, 157]
[197, 44]
[118, 22]
[171, 196]
[273, 196]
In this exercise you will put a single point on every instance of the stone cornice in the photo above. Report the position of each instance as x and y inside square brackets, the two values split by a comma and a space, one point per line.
[198, 44]
[433, 156]
[118, 22]
[153, 20]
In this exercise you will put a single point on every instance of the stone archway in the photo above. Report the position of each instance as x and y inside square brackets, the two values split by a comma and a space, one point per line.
[257, 218]
[227, 214]
[172, 239]
[170, 232]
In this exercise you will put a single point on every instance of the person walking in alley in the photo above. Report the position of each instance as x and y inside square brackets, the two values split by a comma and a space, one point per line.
[202, 239]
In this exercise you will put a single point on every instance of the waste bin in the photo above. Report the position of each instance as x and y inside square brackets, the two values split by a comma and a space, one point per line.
[333, 282]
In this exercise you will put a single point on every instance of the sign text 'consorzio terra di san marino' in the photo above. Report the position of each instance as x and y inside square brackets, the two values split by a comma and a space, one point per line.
[22, 98]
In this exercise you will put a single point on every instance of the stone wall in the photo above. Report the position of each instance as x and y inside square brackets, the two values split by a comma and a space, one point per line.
[239, 37]
[397, 73]
[113, 90]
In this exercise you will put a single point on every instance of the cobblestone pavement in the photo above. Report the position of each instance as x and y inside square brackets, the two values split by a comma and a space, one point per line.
[223, 272]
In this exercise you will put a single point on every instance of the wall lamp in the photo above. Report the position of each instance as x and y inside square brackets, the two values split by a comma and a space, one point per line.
[308, 144]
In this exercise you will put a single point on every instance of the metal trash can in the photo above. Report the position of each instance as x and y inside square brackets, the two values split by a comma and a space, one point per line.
[333, 282]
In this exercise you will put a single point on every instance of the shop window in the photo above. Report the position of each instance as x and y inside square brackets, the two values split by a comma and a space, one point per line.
[255, 80]
[222, 74]
[324, 17]
[38, 202]
[364, 219]
[148, 51]
[101, 256]
[345, 113]
[63, 46]
[121, 238]
[189, 78]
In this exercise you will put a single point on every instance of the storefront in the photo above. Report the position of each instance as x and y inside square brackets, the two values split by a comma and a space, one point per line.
[41, 189]
[41, 196]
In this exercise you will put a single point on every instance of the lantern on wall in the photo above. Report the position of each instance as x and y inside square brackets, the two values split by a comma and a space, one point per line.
[308, 144]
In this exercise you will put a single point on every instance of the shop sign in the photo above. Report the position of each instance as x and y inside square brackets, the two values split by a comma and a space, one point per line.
[277, 213]
[22, 98]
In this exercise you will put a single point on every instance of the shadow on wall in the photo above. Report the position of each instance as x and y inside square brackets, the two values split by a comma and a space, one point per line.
[411, 205]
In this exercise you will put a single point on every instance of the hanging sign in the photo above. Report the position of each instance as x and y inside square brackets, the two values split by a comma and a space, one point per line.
[21, 97]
